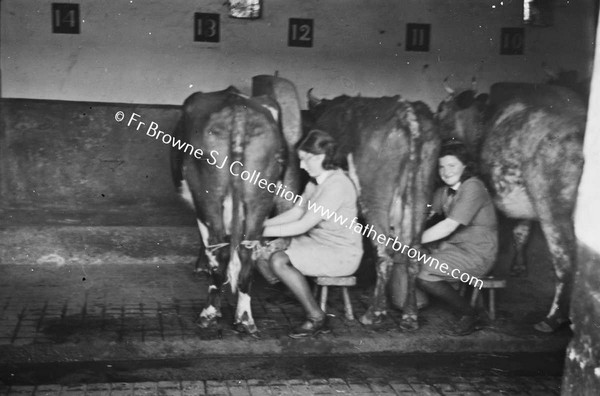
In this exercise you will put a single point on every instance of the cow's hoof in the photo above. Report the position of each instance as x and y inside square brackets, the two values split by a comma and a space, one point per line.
[366, 320]
[200, 273]
[244, 328]
[371, 319]
[409, 324]
[204, 323]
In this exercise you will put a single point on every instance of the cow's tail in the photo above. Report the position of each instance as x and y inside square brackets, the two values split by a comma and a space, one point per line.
[411, 121]
[237, 191]
[177, 164]
[177, 156]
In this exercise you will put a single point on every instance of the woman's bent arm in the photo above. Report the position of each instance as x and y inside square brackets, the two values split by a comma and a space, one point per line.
[298, 227]
[440, 230]
[288, 216]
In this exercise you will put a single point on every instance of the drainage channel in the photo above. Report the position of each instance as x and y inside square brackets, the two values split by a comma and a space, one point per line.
[289, 367]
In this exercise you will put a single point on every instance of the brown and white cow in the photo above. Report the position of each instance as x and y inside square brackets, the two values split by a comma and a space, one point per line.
[529, 139]
[391, 146]
[235, 134]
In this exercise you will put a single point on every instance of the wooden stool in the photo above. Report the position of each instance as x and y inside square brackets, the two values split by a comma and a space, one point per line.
[341, 281]
[490, 283]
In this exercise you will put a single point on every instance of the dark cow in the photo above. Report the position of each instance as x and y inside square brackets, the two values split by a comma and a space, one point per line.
[570, 79]
[530, 139]
[234, 134]
[391, 147]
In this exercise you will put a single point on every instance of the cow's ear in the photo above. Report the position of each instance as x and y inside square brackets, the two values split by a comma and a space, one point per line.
[465, 99]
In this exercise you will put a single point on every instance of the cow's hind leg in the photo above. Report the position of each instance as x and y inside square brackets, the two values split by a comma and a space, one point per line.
[212, 310]
[377, 310]
[560, 239]
[410, 320]
[202, 264]
[553, 202]
[210, 258]
[208, 262]
[552, 180]
[520, 236]
[243, 321]
[418, 193]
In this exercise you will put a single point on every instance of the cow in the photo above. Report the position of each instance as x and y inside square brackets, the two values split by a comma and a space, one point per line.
[230, 183]
[570, 79]
[391, 147]
[529, 140]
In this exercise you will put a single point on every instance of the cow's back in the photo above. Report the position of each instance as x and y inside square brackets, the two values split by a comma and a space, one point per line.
[377, 135]
[210, 118]
[237, 135]
[355, 122]
[535, 133]
[552, 97]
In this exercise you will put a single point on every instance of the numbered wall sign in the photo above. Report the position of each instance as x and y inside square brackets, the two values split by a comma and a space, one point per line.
[512, 41]
[300, 33]
[65, 18]
[206, 27]
[417, 36]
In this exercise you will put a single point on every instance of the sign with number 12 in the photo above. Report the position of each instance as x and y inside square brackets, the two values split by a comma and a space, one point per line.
[300, 33]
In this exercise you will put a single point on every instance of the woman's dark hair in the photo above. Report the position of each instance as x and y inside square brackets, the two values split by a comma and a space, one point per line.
[320, 142]
[457, 149]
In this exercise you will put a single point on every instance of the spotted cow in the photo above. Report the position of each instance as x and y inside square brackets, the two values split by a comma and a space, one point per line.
[529, 140]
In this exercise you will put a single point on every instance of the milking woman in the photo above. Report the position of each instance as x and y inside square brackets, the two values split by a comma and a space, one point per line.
[318, 245]
[466, 239]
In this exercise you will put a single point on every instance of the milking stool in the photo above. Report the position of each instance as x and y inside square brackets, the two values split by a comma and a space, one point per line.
[490, 283]
[342, 281]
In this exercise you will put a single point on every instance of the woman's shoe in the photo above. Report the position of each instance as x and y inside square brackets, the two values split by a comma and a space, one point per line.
[466, 325]
[311, 328]
[551, 325]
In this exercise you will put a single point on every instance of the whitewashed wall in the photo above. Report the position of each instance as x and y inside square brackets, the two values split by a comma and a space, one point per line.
[142, 51]
[587, 214]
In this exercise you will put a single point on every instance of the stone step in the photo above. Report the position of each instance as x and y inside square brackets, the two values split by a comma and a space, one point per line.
[89, 244]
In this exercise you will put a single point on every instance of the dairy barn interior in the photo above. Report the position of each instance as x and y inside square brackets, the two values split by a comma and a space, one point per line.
[97, 249]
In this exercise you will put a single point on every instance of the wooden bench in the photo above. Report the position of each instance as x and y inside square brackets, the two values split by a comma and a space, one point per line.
[341, 281]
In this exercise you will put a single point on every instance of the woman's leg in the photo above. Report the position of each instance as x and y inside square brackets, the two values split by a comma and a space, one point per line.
[445, 292]
[297, 283]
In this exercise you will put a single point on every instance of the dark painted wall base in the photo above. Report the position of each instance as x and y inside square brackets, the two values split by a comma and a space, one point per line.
[76, 155]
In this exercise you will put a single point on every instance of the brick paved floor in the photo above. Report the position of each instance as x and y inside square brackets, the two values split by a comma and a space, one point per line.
[123, 303]
[114, 305]
[491, 385]
[144, 303]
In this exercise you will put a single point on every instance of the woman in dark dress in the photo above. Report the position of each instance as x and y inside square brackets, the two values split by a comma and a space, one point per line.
[466, 239]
